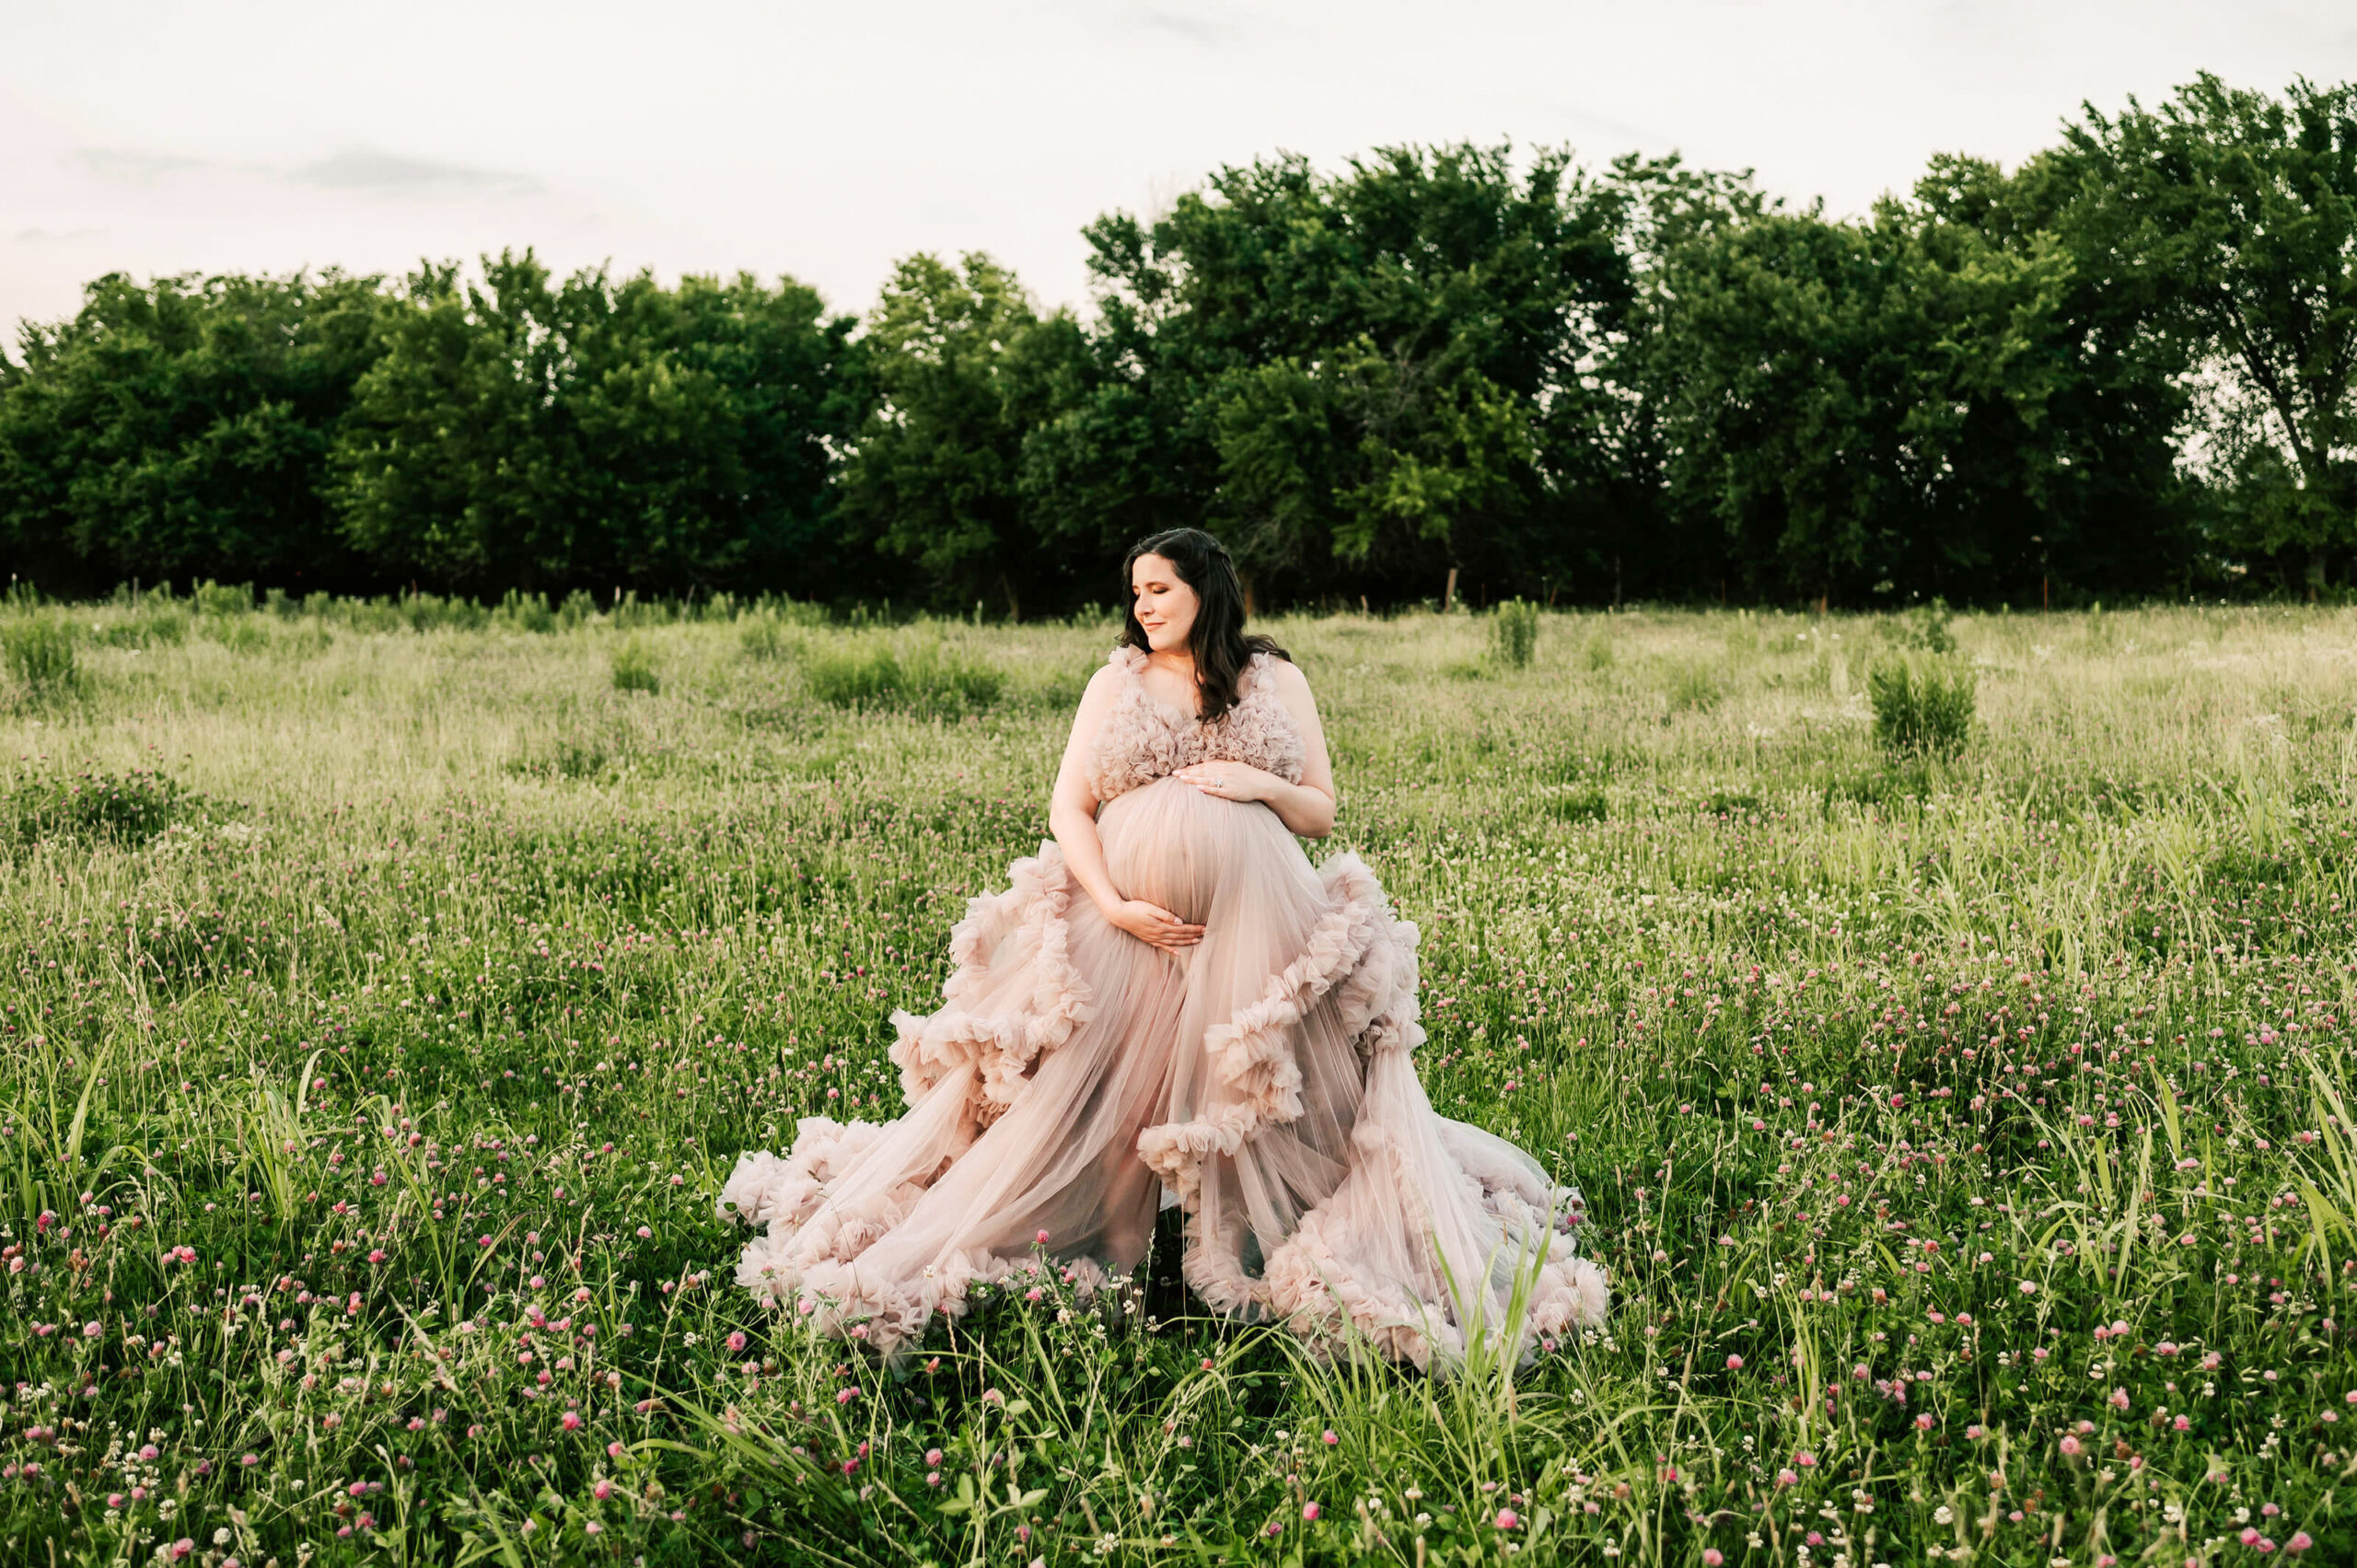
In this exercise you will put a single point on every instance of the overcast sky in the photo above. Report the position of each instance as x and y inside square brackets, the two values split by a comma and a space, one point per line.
[825, 141]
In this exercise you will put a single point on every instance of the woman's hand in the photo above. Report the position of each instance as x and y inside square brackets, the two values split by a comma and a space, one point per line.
[1231, 781]
[1151, 922]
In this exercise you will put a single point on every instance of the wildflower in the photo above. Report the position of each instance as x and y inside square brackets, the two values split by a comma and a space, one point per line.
[2300, 1542]
[1329, 1438]
[1042, 1238]
[2029, 1287]
[2069, 1448]
[1507, 1519]
[736, 1342]
[1735, 1364]
[1713, 1557]
[1309, 1513]
[1786, 1477]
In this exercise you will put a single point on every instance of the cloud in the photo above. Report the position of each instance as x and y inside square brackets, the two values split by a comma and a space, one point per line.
[54, 237]
[368, 170]
[128, 164]
[1194, 30]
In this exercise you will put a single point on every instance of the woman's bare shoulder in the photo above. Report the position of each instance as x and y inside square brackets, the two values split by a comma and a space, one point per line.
[1286, 675]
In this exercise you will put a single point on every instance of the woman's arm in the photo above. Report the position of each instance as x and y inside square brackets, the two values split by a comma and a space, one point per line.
[1072, 818]
[1306, 808]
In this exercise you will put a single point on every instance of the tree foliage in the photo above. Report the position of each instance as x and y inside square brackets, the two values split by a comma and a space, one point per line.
[2232, 216]
[2122, 368]
[519, 431]
[1350, 378]
[965, 367]
[182, 427]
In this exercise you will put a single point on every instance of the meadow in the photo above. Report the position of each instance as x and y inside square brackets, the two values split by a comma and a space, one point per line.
[386, 990]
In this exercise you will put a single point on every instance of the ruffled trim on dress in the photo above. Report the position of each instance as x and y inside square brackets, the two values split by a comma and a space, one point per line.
[810, 1250]
[1336, 1309]
[1357, 944]
[1366, 957]
[1002, 1048]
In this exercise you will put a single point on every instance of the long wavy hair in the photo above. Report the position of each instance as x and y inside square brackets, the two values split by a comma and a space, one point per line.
[1217, 638]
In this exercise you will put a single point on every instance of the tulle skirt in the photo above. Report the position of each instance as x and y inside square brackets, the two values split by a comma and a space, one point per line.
[1265, 1076]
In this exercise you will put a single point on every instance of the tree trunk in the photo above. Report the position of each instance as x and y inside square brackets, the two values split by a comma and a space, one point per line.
[1448, 594]
[1244, 581]
[1014, 608]
[2315, 571]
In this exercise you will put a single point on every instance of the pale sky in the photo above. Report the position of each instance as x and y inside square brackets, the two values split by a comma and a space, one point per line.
[827, 141]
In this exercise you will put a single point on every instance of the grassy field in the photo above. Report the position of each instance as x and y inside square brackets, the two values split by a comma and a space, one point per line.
[385, 991]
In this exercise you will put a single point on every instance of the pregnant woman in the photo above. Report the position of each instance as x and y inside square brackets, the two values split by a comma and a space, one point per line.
[1171, 996]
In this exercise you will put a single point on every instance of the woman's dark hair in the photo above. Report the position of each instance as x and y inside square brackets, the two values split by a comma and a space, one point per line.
[1217, 638]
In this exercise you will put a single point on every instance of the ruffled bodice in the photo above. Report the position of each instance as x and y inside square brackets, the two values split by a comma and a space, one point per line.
[1143, 740]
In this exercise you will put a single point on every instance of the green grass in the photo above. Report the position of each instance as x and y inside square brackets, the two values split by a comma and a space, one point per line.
[384, 996]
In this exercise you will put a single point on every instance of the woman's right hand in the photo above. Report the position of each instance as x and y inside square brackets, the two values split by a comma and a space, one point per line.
[1151, 922]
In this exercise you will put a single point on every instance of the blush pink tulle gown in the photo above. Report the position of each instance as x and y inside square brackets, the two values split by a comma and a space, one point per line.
[1263, 1076]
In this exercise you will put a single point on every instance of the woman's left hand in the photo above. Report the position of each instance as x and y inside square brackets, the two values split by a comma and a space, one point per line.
[1230, 781]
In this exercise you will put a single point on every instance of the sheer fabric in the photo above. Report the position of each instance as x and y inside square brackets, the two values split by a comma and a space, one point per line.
[1264, 1077]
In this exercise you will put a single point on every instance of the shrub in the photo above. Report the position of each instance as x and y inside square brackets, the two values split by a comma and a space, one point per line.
[164, 625]
[1513, 633]
[1595, 653]
[931, 683]
[1580, 804]
[525, 612]
[239, 634]
[1920, 710]
[41, 653]
[765, 636]
[629, 610]
[433, 613]
[1693, 688]
[635, 669]
[1925, 626]
[129, 810]
[578, 609]
[209, 597]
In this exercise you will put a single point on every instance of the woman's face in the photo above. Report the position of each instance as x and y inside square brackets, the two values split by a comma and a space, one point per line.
[1165, 605]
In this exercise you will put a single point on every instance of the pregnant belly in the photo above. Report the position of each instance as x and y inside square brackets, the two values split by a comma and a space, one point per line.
[1171, 844]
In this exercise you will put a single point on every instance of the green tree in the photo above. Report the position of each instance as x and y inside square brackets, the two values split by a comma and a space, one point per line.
[965, 366]
[2234, 215]
[1928, 402]
[181, 428]
[520, 432]
[1354, 378]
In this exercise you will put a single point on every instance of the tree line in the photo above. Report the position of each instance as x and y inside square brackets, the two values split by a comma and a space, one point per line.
[2120, 369]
